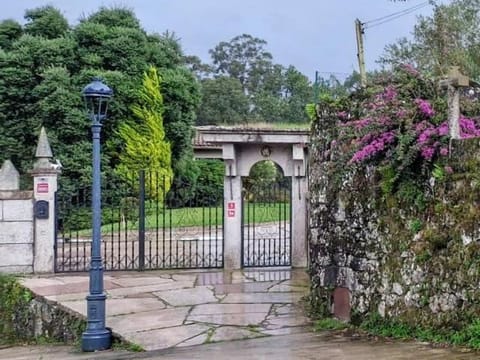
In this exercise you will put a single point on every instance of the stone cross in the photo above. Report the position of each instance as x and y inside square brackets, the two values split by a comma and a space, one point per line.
[453, 83]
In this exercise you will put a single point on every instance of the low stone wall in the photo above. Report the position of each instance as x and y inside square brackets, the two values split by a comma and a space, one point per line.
[16, 231]
[372, 254]
[48, 320]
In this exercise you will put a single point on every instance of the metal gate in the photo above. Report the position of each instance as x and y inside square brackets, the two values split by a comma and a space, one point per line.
[145, 226]
[266, 223]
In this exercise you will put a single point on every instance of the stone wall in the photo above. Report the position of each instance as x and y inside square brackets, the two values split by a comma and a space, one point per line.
[16, 231]
[16, 223]
[372, 254]
[51, 321]
[27, 238]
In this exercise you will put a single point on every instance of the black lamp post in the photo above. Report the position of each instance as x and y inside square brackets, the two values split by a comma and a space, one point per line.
[96, 336]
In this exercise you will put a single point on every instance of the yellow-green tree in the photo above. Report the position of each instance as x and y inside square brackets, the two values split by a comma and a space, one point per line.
[145, 147]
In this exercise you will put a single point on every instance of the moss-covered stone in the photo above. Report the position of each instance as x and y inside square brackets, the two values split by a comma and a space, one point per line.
[26, 318]
[409, 254]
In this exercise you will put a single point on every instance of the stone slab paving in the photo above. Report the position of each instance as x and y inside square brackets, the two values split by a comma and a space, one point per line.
[161, 309]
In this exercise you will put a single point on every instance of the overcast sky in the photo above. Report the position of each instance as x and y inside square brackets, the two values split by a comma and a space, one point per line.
[309, 34]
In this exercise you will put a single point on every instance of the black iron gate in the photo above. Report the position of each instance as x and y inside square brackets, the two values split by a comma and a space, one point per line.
[266, 223]
[146, 225]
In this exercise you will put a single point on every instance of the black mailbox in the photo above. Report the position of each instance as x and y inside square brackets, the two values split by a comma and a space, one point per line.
[41, 209]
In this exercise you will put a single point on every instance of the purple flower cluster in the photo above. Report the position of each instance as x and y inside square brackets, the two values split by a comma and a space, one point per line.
[374, 147]
[425, 108]
[468, 128]
[443, 129]
[428, 152]
[343, 115]
[410, 69]
[382, 99]
[428, 136]
[389, 114]
[390, 93]
[357, 124]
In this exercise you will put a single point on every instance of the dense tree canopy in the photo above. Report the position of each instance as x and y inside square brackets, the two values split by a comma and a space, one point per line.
[44, 65]
[243, 58]
[244, 85]
[223, 102]
[46, 62]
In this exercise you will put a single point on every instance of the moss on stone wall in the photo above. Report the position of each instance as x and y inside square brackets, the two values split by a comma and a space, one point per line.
[411, 257]
[14, 302]
[26, 318]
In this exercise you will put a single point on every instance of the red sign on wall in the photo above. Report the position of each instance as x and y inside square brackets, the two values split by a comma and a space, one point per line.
[42, 188]
[231, 213]
[231, 205]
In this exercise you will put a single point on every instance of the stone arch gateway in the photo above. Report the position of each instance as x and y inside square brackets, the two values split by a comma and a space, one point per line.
[240, 149]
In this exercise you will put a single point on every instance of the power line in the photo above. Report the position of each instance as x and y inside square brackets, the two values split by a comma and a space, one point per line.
[397, 13]
[393, 18]
[334, 73]
[387, 18]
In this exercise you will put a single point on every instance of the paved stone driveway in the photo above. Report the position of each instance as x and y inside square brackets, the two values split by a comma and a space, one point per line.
[159, 310]
[166, 312]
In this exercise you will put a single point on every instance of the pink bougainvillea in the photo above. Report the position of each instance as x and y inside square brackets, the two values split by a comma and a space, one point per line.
[468, 128]
[410, 69]
[430, 139]
[394, 126]
[425, 108]
[357, 124]
[390, 93]
[374, 147]
[428, 152]
[443, 129]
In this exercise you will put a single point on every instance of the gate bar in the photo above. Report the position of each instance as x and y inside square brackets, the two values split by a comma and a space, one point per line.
[141, 222]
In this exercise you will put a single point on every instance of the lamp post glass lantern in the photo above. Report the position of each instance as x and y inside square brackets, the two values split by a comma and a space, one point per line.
[96, 337]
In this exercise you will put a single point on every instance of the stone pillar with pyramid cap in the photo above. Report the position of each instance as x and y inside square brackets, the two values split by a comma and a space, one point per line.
[44, 187]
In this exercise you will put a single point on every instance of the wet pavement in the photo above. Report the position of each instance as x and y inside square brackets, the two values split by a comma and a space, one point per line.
[188, 315]
[159, 310]
[301, 346]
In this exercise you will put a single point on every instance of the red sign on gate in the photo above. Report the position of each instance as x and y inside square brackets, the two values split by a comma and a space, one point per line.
[42, 188]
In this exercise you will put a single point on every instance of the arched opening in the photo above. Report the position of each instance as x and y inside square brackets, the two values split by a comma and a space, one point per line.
[266, 216]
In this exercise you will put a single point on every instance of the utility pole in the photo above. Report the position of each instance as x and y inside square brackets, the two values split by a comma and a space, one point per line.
[361, 52]
[315, 88]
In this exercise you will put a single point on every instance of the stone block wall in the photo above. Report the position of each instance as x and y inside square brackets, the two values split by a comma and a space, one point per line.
[27, 241]
[16, 231]
[372, 254]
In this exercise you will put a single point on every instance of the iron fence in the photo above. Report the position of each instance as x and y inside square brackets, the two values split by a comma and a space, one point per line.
[142, 228]
[266, 224]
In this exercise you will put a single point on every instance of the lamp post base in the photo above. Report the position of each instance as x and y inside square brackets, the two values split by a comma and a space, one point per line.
[96, 340]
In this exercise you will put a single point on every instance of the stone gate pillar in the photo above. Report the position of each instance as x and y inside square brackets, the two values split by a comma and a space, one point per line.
[44, 187]
[232, 195]
[299, 206]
